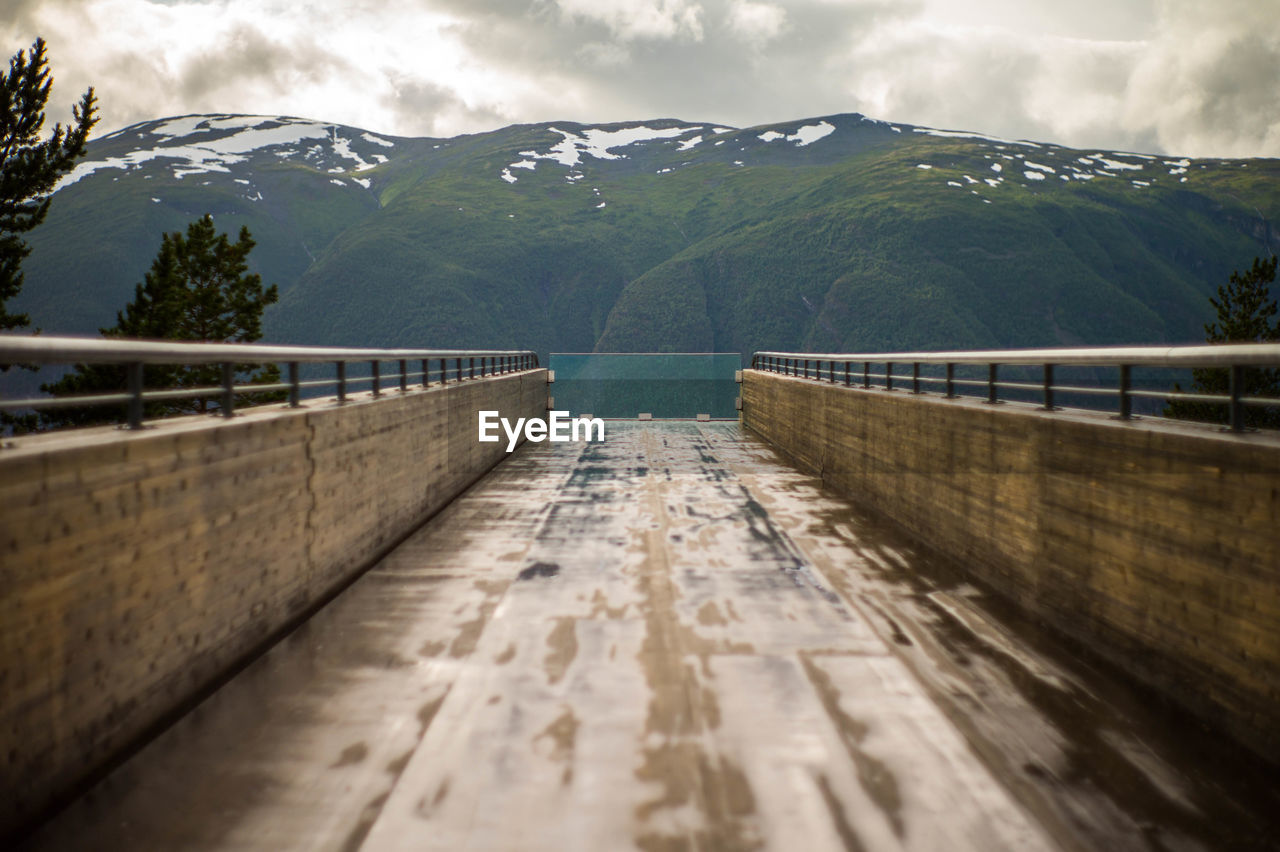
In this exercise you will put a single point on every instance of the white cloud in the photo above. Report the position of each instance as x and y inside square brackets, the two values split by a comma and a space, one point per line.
[1207, 83]
[636, 19]
[1174, 76]
[756, 22]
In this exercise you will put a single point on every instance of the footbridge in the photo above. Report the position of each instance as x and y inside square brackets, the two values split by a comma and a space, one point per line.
[871, 613]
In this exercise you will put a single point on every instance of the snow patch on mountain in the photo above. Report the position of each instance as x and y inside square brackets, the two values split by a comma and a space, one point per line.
[185, 141]
[600, 143]
[1117, 165]
[965, 134]
[806, 135]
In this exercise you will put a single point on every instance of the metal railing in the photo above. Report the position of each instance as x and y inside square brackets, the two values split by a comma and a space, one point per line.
[453, 365]
[1233, 357]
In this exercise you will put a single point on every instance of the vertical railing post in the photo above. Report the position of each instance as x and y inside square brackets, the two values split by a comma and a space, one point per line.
[991, 384]
[866, 374]
[473, 368]
[426, 372]
[135, 396]
[915, 377]
[459, 369]
[888, 375]
[295, 390]
[1236, 389]
[1048, 387]
[444, 371]
[848, 373]
[1126, 401]
[404, 376]
[228, 390]
[342, 382]
[376, 371]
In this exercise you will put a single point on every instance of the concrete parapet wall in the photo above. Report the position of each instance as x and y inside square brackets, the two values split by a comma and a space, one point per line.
[1156, 544]
[138, 568]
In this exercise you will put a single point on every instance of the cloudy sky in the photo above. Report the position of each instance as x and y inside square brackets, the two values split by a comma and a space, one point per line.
[1170, 76]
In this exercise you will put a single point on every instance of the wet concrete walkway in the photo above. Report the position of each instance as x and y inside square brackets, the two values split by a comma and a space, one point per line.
[670, 640]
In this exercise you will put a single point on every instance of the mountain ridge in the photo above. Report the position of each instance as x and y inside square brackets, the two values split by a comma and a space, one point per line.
[832, 232]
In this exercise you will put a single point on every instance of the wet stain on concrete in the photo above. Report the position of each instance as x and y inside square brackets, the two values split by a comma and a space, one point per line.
[395, 767]
[351, 755]
[539, 569]
[427, 712]
[562, 736]
[876, 779]
[563, 642]
[848, 837]
[600, 607]
[432, 649]
[715, 787]
[368, 816]
[709, 615]
[469, 634]
[895, 632]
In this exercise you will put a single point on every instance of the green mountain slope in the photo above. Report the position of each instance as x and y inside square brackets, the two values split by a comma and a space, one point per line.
[838, 233]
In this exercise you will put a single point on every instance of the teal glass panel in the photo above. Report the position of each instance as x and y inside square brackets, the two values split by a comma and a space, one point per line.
[626, 385]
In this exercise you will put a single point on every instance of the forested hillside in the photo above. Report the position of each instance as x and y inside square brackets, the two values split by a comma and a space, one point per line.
[835, 233]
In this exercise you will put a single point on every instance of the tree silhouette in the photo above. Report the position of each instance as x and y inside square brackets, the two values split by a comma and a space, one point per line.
[30, 167]
[199, 288]
[1246, 314]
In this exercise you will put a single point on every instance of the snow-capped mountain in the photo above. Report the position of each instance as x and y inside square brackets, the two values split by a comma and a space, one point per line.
[829, 232]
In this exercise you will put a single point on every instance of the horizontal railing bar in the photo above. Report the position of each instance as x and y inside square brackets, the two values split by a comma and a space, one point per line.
[49, 349]
[64, 402]
[1079, 389]
[1018, 386]
[1184, 395]
[1199, 355]
[184, 393]
[53, 402]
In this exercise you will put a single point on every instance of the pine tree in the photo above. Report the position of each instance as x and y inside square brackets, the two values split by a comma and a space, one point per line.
[1246, 314]
[30, 167]
[199, 288]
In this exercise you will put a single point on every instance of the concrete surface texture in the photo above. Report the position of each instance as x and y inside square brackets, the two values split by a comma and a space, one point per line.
[671, 640]
[139, 567]
[1155, 543]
